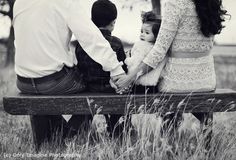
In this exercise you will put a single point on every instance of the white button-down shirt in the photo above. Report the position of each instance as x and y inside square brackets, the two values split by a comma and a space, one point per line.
[43, 29]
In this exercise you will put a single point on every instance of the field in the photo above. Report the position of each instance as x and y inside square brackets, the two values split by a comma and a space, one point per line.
[16, 137]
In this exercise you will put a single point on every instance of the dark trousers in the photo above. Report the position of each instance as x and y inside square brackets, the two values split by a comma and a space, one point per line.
[66, 81]
[112, 120]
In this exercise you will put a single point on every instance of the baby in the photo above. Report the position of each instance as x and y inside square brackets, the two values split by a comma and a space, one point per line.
[150, 28]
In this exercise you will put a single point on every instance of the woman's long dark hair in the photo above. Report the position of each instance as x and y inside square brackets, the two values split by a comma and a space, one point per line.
[211, 15]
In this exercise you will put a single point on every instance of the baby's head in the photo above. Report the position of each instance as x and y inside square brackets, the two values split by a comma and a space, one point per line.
[150, 27]
[104, 14]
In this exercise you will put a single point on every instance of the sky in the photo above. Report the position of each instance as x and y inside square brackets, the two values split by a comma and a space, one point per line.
[228, 34]
[129, 22]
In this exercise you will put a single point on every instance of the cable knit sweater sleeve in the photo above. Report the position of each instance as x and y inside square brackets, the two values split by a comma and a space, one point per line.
[172, 13]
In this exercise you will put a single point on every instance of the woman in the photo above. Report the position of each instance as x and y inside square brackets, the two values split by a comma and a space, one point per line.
[188, 28]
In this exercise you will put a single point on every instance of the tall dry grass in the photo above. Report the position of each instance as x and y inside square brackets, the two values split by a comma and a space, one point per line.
[7, 82]
[145, 143]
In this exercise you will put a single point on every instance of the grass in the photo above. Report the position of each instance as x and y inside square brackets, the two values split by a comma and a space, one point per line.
[7, 82]
[16, 137]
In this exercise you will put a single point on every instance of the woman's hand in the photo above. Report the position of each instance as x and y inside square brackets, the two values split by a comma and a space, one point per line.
[119, 91]
[125, 81]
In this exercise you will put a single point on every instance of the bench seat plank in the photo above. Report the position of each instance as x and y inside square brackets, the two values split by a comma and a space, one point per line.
[221, 100]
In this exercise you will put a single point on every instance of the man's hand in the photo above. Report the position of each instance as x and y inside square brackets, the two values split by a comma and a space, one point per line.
[113, 82]
[117, 77]
[125, 81]
[114, 79]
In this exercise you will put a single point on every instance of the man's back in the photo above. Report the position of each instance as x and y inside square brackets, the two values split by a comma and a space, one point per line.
[40, 30]
[43, 30]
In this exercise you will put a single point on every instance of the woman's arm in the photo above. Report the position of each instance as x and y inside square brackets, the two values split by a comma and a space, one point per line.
[133, 75]
[172, 13]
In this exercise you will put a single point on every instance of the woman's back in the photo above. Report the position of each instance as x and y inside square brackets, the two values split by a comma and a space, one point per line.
[181, 31]
[190, 67]
[189, 37]
[187, 31]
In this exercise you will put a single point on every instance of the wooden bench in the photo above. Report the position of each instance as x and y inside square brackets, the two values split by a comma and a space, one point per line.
[221, 100]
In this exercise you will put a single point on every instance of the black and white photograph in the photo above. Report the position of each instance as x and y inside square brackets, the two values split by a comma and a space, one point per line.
[117, 80]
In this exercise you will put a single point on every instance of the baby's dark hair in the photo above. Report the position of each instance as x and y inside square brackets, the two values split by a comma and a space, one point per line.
[151, 18]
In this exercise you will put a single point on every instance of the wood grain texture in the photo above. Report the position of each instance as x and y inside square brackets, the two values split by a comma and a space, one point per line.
[222, 100]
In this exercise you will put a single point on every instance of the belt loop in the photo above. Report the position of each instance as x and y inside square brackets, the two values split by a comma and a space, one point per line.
[34, 85]
[66, 69]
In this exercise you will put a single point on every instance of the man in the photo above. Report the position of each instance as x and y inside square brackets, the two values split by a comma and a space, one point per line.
[43, 61]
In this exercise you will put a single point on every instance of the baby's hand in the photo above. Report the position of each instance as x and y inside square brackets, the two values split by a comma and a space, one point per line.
[128, 53]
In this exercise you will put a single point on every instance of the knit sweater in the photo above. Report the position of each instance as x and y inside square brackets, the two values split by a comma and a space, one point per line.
[179, 32]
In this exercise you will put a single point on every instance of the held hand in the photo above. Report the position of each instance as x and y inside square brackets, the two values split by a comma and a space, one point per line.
[115, 78]
[125, 81]
[113, 84]
[125, 90]
[119, 91]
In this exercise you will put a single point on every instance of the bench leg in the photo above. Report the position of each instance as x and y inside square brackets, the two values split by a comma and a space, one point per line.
[169, 130]
[113, 125]
[43, 128]
[171, 123]
[78, 123]
[206, 120]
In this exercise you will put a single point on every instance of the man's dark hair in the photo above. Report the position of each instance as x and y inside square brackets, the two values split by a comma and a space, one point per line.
[103, 13]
